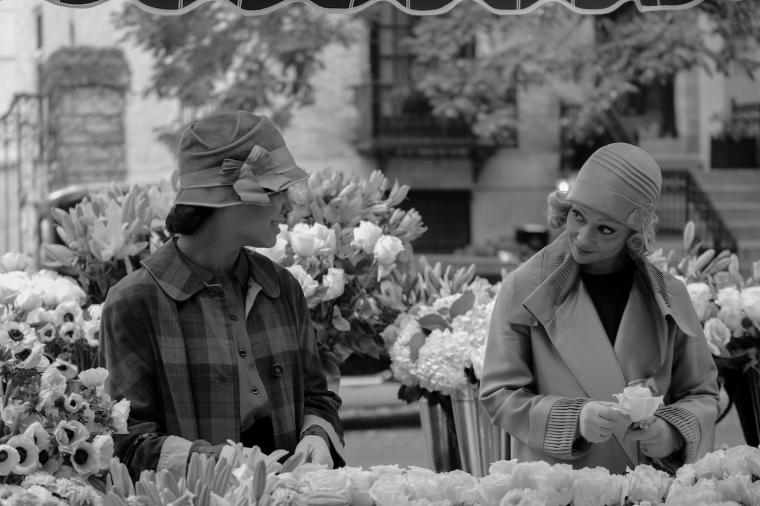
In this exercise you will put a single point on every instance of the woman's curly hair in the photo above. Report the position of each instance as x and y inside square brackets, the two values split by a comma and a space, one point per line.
[185, 219]
[640, 243]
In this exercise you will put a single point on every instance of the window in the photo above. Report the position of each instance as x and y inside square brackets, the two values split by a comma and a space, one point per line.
[446, 213]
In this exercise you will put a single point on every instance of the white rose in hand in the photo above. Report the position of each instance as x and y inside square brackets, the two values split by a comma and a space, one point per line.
[366, 236]
[387, 249]
[638, 402]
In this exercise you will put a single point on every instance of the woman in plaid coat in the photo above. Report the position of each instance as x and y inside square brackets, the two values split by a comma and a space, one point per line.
[210, 341]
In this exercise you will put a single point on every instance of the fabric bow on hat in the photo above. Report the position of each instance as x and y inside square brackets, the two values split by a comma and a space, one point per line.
[257, 174]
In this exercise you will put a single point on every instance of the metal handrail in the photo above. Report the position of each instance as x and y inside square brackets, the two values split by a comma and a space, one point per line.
[683, 199]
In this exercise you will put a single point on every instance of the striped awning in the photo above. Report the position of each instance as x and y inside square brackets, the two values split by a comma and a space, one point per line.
[254, 7]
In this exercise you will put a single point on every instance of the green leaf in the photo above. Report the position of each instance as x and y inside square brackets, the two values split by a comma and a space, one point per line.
[463, 304]
[57, 255]
[368, 346]
[434, 321]
[415, 343]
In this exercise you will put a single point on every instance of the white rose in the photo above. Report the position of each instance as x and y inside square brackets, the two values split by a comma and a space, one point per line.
[717, 334]
[119, 416]
[751, 304]
[14, 262]
[28, 300]
[95, 310]
[366, 236]
[387, 249]
[700, 298]
[638, 402]
[729, 301]
[277, 253]
[303, 242]
[335, 281]
[326, 240]
[94, 378]
[66, 289]
[308, 284]
[103, 445]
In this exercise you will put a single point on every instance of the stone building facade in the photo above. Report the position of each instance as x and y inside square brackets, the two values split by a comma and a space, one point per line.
[466, 194]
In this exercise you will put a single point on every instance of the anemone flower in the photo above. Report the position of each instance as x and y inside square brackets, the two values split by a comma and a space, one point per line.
[67, 311]
[73, 402]
[28, 454]
[68, 369]
[50, 461]
[37, 433]
[84, 458]
[9, 459]
[68, 433]
[16, 335]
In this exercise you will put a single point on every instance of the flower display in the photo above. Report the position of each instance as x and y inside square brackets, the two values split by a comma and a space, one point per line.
[107, 234]
[348, 245]
[55, 420]
[44, 316]
[250, 478]
[440, 346]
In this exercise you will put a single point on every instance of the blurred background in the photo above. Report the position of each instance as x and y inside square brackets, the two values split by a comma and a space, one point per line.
[481, 115]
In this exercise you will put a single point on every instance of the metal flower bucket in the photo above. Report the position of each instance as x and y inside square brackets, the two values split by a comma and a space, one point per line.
[480, 443]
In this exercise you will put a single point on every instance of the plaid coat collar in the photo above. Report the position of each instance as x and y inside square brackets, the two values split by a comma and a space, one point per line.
[180, 282]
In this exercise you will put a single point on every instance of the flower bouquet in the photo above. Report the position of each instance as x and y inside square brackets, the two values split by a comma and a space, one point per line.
[56, 421]
[107, 234]
[729, 308]
[349, 246]
[41, 313]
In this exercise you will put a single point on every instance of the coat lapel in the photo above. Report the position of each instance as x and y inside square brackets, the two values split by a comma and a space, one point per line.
[580, 339]
[641, 339]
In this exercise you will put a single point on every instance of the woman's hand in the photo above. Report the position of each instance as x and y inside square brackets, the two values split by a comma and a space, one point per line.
[599, 420]
[316, 450]
[658, 440]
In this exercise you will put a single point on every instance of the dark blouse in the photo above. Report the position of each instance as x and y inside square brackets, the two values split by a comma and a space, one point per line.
[609, 292]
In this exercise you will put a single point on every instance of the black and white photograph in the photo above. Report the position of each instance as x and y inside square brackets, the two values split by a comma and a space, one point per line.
[379, 252]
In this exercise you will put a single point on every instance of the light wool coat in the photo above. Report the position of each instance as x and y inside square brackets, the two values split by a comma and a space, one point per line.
[548, 354]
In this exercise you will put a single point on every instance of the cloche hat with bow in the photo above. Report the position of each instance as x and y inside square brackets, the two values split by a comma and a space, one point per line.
[234, 158]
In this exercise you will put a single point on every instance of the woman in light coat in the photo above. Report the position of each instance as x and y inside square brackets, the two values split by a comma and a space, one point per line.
[587, 316]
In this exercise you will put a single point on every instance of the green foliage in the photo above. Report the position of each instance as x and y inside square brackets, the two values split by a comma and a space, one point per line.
[213, 57]
[592, 61]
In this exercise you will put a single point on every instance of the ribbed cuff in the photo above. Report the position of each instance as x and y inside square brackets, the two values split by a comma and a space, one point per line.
[562, 430]
[687, 425]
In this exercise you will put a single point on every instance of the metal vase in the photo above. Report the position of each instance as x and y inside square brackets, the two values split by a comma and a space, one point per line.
[435, 427]
[480, 443]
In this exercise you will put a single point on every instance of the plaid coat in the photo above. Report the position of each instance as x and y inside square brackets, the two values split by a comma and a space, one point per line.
[161, 314]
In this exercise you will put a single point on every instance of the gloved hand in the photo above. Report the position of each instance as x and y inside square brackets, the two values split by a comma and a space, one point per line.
[658, 440]
[598, 420]
[315, 449]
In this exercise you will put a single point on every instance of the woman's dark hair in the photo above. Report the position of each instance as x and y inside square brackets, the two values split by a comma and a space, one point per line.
[186, 219]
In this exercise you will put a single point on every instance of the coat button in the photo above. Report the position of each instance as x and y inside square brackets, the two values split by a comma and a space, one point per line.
[254, 390]
[277, 370]
[242, 353]
[233, 317]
